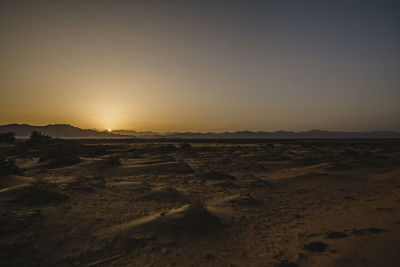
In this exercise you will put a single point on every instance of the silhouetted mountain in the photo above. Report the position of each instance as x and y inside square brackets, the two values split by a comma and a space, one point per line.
[55, 130]
[68, 131]
[289, 135]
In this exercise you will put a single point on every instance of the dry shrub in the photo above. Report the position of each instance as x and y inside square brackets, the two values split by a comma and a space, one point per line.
[60, 155]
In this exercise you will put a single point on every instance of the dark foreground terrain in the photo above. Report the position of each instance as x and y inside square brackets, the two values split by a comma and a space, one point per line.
[200, 203]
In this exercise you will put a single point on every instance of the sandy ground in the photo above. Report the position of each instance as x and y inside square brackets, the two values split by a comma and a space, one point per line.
[280, 203]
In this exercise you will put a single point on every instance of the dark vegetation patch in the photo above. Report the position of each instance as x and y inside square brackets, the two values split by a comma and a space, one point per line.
[358, 232]
[35, 145]
[60, 155]
[37, 138]
[56, 152]
[372, 230]
[316, 247]
[336, 235]
[42, 146]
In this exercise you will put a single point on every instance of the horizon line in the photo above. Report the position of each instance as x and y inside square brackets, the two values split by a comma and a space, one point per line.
[200, 132]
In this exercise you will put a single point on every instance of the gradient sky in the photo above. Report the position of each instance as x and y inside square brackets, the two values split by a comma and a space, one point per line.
[201, 65]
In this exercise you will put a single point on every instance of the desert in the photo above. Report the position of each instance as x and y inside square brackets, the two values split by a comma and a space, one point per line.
[149, 202]
[200, 133]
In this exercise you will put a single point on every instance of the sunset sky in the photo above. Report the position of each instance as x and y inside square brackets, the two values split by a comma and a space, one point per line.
[201, 65]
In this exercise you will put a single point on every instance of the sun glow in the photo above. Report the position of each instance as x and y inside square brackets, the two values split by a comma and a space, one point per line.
[109, 130]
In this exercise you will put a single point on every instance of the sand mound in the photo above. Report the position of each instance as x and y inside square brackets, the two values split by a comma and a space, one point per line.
[195, 218]
[128, 168]
[185, 219]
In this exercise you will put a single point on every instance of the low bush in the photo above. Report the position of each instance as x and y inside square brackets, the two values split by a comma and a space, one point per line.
[60, 155]
[38, 136]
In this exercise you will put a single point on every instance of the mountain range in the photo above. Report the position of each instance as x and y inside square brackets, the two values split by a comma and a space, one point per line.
[55, 130]
[69, 131]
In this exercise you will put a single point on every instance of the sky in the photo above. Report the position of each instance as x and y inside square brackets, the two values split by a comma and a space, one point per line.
[201, 65]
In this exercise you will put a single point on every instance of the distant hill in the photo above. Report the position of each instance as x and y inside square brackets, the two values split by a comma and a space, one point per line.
[312, 134]
[55, 130]
[68, 131]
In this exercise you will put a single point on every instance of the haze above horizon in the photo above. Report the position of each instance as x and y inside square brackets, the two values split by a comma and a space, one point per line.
[207, 66]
